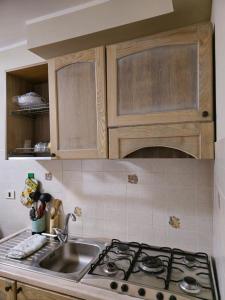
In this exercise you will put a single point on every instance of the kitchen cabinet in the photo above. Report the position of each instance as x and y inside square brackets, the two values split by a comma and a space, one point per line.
[78, 105]
[160, 95]
[27, 292]
[159, 99]
[12, 290]
[27, 125]
[7, 289]
[176, 140]
[164, 78]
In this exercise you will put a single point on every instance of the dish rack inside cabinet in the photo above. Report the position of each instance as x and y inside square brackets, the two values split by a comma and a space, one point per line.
[32, 110]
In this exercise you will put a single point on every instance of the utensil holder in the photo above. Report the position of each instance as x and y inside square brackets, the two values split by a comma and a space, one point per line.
[38, 226]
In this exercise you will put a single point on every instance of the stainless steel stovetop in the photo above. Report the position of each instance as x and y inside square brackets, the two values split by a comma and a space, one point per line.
[149, 272]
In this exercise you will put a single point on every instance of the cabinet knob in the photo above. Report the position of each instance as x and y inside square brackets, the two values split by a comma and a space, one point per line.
[53, 155]
[19, 290]
[8, 288]
[205, 113]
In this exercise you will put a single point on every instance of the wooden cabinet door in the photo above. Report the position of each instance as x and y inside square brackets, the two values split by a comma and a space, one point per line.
[26, 292]
[194, 139]
[77, 105]
[164, 78]
[7, 289]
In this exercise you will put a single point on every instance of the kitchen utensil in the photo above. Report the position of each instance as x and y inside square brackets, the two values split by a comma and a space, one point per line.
[32, 214]
[54, 214]
[35, 196]
[55, 208]
[45, 197]
[40, 209]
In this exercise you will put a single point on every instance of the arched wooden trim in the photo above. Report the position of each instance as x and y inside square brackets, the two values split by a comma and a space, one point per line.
[195, 139]
[159, 152]
[189, 146]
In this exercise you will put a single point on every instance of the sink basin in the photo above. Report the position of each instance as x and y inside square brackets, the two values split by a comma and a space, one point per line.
[71, 259]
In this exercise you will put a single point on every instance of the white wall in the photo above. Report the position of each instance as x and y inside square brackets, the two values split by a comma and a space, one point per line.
[218, 17]
[219, 214]
[111, 206]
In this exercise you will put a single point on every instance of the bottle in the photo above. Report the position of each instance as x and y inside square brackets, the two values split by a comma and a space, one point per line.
[31, 186]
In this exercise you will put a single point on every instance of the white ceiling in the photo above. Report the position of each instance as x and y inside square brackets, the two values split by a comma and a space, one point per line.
[14, 14]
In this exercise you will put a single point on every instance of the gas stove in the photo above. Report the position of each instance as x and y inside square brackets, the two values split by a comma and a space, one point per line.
[149, 272]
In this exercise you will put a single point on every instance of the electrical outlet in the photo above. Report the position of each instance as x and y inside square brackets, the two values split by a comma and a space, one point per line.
[10, 194]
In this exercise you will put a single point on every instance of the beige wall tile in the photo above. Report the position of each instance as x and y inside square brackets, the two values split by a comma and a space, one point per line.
[113, 208]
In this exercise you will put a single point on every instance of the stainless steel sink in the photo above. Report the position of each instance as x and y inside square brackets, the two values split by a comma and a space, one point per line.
[70, 258]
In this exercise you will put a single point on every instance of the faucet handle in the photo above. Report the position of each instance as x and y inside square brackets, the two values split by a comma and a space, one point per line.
[57, 230]
[49, 235]
[60, 235]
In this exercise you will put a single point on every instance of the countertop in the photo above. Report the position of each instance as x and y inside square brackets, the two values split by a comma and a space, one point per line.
[60, 285]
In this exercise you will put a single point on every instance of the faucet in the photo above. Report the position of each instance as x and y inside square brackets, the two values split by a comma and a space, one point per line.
[62, 234]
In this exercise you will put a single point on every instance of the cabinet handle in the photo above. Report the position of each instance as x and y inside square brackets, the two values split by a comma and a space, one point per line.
[53, 155]
[205, 113]
[8, 288]
[19, 290]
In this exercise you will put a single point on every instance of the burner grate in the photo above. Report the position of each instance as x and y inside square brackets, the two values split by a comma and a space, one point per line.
[117, 252]
[196, 264]
[125, 259]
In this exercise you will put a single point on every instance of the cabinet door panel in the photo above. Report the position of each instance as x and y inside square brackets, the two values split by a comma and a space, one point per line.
[76, 98]
[157, 80]
[7, 289]
[32, 293]
[166, 78]
[194, 139]
[77, 105]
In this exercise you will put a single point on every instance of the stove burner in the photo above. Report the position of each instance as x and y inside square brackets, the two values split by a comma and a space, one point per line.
[189, 260]
[152, 264]
[110, 268]
[122, 248]
[190, 285]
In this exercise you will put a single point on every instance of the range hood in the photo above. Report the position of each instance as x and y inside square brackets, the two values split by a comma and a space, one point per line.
[103, 22]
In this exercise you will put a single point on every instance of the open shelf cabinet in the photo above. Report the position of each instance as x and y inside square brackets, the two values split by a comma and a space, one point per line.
[27, 125]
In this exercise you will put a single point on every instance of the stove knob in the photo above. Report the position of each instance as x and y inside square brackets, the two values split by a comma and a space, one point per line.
[141, 292]
[160, 296]
[172, 297]
[113, 285]
[124, 288]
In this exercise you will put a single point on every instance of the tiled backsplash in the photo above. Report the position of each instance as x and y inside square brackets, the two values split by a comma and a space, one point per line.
[112, 207]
